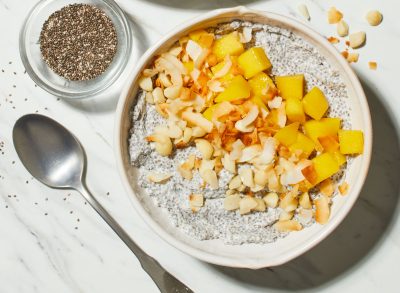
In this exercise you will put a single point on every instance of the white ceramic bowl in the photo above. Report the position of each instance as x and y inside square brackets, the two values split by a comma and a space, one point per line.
[248, 255]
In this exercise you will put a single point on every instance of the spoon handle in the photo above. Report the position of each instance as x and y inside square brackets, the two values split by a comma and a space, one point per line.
[165, 282]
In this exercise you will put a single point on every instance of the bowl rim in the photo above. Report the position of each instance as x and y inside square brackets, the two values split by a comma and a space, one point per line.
[329, 227]
[84, 94]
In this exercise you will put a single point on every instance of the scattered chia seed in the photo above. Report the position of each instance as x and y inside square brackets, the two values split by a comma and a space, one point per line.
[78, 42]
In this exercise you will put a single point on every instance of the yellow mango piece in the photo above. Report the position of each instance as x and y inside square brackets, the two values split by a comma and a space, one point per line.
[294, 110]
[315, 103]
[253, 61]
[238, 88]
[189, 66]
[227, 45]
[195, 35]
[257, 100]
[330, 143]
[325, 165]
[324, 127]
[303, 143]
[339, 157]
[291, 86]
[351, 142]
[208, 113]
[288, 134]
[259, 84]
[206, 40]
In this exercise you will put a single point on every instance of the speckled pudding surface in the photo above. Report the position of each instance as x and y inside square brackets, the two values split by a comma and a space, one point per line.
[289, 54]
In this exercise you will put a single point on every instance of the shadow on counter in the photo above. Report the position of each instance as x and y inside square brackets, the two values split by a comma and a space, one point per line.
[201, 4]
[362, 230]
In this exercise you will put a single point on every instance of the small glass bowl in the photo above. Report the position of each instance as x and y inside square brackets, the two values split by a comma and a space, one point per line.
[39, 71]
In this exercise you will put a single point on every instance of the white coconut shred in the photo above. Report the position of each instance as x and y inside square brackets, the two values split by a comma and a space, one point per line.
[289, 54]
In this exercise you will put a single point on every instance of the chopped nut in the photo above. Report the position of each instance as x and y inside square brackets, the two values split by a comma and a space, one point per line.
[246, 175]
[185, 169]
[344, 188]
[288, 226]
[235, 183]
[286, 215]
[230, 192]
[260, 177]
[326, 187]
[210, 177]
[322, 210]
[271, 200]
[231, 202]
[261, 207]
[163, 144]
[149, 98]
[352, 57]
[289, 202]
[357, 39]
[205, 148]
[241, 188]
[158, 95]
[247, 204]
[334, 15]
[187, 135]
[372, 65]
[374, 17]
[196, 201]
[172, 92]
[342, 28]
[304, 201]
[174, 131]
[302, 8]
[198, 131]
[158, 177]
[229, 164]
[164, 80]
[146, 84]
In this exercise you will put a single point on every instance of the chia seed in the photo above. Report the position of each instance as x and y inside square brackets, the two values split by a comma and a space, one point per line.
[78, 42]
[289, 54]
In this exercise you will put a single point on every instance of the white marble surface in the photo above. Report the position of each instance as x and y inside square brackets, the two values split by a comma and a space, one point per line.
[44, 248]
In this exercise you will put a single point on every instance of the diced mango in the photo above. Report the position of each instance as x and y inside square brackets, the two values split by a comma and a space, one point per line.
[351, 142]
[291, 86]
[325, 166]
[303, 143]
[259, 102]
[288, 134]
[227, 45]
[315, 103]
[208, 113]
[206, 40]
[330, 143]
[253, 61]
[189, 66]
[340, 158]
[238, 88]
[260, 85]
[195, 35]
[324, 127]
[294, 110]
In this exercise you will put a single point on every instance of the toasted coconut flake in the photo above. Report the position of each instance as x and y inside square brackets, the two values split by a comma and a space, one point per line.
[205, 148]
[246, 175]
[175, 51]
[268, 152]
[193, 49]
[158, 177]
[229, 164]
[223, 109]
[247, 204]
[198, 120]
[149, 72]
[225, 69]
[249, 153]
[163, 65]
[245, 125]
[326, 187]
[215, 86]
[146, 84]
[175, 62]
[237, 148]
[322, 209]
[282, 116]
[275, 103]
[334, 15]
[231, 202]
[198, 63]
[271, 199]
[344, 188]
[246, 35]
[304, 201]
[293, 174]
[164, 80]
[288, 226]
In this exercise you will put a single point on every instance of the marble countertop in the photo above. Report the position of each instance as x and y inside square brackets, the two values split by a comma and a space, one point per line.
[51, 241]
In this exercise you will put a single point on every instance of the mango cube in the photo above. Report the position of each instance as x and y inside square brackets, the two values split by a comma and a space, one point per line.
[195, 35]
[340, 158]
[330, 143]
[253, 61]
[238, 88]
[351, 142]
[294, 110]
[291, 86]
[257, 100]
[325, 166]
[208, 113]
[206, 40]
[288, 134]
[227, 45]
[189, 66]
[315, 103]
[304, 144]
[260, 85]
[324, 127]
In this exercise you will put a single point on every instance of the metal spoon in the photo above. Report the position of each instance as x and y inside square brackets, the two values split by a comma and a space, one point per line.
[56, 158]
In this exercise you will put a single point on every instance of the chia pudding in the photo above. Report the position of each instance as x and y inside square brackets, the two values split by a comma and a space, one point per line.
[289, 54]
